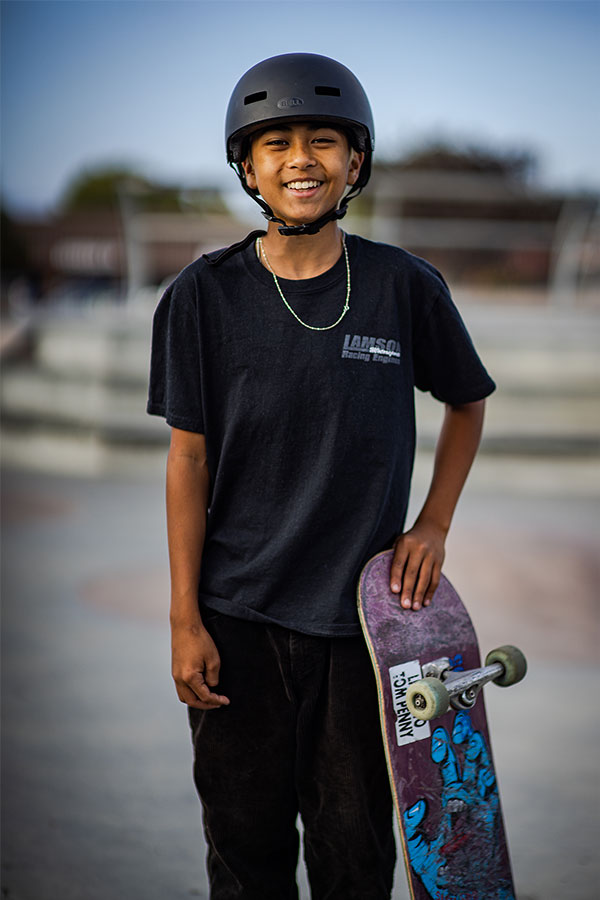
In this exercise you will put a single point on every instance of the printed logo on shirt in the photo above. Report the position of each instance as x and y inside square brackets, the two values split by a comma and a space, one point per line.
[371, 349]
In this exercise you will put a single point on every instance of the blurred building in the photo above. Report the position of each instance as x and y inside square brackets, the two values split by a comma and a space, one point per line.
[483, 222]
[474, 227]
[90, 253]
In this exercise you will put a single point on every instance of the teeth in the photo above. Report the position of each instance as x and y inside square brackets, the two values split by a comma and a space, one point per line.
[302, 185]
[456, 805]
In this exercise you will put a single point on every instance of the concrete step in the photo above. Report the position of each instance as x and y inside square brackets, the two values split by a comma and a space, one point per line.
[109, 347]
[531, 349]
[89, 453]
[109, 406]
[116, 410]
[83, 389]
[527, 424]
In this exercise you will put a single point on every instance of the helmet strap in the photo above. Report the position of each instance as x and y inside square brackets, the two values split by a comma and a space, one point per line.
[291, 230]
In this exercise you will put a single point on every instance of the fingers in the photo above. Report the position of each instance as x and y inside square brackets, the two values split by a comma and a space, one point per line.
[398, 564]
[415, 573]
[411, 576]
[211, 670]
[442, 752]
[414, 583]
[436, 574]
[209, 699]
[195, 690]
[195, 668]
[423, 583]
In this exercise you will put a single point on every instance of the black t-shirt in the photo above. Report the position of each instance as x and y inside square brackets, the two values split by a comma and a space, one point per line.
[310, 434]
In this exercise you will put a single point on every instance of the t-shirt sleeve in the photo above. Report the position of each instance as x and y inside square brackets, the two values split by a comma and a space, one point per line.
[445, 361]
[175, 390]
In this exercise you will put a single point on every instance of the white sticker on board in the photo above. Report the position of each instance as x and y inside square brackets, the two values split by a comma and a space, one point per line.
[408, 729]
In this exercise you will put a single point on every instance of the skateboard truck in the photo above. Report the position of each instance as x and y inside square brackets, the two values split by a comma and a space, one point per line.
[442, 687]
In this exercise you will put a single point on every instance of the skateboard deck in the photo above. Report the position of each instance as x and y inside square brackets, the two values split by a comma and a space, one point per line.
[441, 771]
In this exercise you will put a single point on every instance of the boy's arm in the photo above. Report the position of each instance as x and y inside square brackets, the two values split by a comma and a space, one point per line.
[419, 553]
[195, 659]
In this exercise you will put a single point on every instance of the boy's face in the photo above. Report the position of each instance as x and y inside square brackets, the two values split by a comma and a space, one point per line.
[302, 169]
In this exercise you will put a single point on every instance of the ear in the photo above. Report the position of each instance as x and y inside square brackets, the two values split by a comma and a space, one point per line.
[354, 164]
[250, 174]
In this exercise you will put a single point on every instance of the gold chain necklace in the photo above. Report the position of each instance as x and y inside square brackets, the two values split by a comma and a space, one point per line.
[346, 302]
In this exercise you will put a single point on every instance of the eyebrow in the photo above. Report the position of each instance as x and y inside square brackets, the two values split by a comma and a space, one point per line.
[311, 127]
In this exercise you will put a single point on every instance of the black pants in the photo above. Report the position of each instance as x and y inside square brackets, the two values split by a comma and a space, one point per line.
[301, 735]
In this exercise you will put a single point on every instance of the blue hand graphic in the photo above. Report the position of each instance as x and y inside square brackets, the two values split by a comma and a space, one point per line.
[460, 861]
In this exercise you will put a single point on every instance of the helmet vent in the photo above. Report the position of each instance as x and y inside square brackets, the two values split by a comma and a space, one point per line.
[325, 91]
[254, 98]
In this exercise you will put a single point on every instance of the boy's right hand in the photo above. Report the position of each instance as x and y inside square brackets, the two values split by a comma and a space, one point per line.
[195, 667]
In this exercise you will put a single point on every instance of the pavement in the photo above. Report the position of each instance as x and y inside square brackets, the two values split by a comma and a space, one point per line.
[98, 802]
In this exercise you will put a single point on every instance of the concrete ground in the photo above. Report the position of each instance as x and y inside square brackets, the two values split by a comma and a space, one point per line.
[97, 794]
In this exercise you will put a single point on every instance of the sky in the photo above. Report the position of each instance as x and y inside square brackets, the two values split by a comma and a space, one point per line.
[146, 82]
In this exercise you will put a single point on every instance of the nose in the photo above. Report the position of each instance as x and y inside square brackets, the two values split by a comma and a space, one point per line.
[301, 155]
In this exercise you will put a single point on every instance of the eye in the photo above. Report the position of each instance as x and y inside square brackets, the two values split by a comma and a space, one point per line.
[325, 139]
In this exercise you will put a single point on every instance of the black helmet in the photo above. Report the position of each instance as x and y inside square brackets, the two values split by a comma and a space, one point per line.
[299, 87]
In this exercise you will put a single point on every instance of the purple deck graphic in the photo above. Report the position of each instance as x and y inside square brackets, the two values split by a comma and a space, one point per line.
[442, 771]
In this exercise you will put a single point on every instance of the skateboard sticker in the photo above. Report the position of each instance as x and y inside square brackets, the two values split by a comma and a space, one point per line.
[459, 856]
[408, 729]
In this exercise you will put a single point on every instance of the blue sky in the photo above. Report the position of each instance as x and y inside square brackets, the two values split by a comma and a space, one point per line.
[85, 82]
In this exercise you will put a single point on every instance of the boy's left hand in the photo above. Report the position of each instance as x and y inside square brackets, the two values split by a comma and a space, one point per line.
[417, 564]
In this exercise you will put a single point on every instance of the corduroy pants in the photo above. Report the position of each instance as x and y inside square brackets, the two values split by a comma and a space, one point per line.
[301, 735]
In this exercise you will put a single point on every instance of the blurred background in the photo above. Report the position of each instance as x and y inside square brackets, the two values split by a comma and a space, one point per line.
[113, 179]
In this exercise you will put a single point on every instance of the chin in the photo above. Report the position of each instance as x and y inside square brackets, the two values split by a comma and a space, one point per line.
[300, 217]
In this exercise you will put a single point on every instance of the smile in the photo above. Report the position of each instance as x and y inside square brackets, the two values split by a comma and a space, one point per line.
[303, 185]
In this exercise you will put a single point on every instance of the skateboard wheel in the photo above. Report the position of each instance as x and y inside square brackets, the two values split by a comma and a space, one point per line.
[514, 662]
[427, 699]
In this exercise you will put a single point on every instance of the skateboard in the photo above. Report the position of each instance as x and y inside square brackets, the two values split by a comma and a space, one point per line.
[436, 738]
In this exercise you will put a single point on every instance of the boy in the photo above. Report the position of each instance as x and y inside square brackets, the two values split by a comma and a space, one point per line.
[286, 368]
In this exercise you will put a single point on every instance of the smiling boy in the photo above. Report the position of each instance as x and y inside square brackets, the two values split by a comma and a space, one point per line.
[286, 367]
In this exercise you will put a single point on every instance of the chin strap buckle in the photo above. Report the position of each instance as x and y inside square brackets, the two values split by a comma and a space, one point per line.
[309, 227]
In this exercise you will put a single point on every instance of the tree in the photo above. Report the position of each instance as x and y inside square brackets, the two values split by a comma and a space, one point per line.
[101, 188]
[445, 156]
